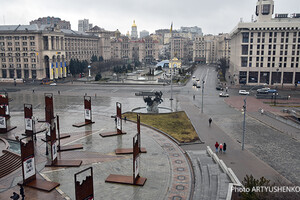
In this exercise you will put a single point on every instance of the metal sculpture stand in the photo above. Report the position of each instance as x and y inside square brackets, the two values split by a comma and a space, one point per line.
[84, 190]
[51, 140]
[4, 128]
[130, 150]
[28, 168]
[130, 180]
[66, 147]
[118, 123]
[87, 113]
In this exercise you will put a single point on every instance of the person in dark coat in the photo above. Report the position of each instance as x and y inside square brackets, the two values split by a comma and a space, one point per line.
[217, 147]
[209, 121]
[224, 147]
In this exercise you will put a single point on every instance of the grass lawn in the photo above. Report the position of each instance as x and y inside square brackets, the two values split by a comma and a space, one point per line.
[175, 124]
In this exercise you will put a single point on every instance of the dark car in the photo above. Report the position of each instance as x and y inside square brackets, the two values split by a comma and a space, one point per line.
[219, 87]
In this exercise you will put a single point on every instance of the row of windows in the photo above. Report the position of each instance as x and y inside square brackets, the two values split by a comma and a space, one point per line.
[17, 37]
[17, 43]
[18, 65]
[18, 59]
[17, 49]
[271, 34]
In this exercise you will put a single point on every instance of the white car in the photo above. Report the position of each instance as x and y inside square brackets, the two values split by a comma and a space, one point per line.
[243, 92]
[223, 94]
[53, 84]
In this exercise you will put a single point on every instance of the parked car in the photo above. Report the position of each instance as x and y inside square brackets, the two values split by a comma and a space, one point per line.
[263, 91]
[243, 92]
[198, 85]
[219, 87]
[223, 94]
[272, 91]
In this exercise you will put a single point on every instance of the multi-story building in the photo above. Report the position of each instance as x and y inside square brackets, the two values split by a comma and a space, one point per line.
[267, 50]
[210, 49]
[52, 21]
[179, 47]
[84, 25]
[30, 52]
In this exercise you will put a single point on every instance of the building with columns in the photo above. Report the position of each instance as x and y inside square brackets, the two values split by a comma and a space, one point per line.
[32, 52]
[267, 50]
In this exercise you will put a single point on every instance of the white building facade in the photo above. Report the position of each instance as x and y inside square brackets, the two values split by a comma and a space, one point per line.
[266, 51]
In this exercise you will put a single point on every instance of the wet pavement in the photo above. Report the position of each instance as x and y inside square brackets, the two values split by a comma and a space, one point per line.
[164, 165]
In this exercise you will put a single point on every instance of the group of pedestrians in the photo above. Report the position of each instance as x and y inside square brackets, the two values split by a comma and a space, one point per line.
[220, 147]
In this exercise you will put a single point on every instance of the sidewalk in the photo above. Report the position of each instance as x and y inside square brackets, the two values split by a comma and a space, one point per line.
[241, 162]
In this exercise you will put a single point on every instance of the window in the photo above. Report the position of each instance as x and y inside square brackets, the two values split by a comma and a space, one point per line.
[266, 9]
[270, 40]
[286, 40]
[17, 43]
[25, 59]
[282, 34]
[270, 34]
[33, 65]
[262, 52]
[245, 36]
[24, 37]
[257, 59]
[33, 60]
[273, 59]
[31, 37]
[244, 49]
[257, 52]
[258, 46]
[258, 40]
[18, 49]
[282, 40]
[292, 65]
[262, 46]
[17, 38]
[9, 49]
[261, 59]
[275, 34]
[275, 40]
[9, 44]
[32, 43]
[269, 59]
[258, 34]
[25, 49]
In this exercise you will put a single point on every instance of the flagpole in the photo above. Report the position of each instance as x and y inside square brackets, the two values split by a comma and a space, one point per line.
[171, 99]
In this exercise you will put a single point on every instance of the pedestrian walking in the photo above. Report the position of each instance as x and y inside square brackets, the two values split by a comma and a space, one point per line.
[261, 111]
[224, 147]
[217, 147]
[209, 121]
[193, 97]
[221, 147]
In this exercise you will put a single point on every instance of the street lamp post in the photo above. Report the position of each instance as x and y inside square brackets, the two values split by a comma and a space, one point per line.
[202, 95]
[244, 122]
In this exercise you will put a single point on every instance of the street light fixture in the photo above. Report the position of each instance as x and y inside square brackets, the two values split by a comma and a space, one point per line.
[244, 122]
[202, 94]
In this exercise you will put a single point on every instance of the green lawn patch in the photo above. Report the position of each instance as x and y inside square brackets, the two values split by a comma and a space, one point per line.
[175, 124]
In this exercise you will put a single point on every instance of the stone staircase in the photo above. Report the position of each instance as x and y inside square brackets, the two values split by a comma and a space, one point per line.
[9, 162]
[211, 183]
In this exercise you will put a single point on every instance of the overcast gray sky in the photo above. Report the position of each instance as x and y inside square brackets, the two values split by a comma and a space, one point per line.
[213, 16]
